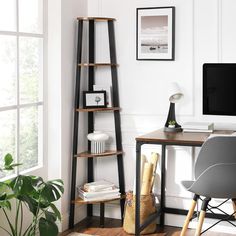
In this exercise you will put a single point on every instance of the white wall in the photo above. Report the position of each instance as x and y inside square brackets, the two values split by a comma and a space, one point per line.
[204, 33]
[62, 33]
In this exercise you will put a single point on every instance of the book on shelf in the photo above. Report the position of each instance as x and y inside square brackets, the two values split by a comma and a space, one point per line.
[98, 191]
[98, 196]
[101, 185]
[198, 126]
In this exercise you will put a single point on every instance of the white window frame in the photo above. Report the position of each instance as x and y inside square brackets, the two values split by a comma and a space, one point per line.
[40, 169]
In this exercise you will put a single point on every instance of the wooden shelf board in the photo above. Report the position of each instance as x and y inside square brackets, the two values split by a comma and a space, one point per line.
[96, 18]
[98, 109]
[96, 64]
[82, 202]
[104, 154]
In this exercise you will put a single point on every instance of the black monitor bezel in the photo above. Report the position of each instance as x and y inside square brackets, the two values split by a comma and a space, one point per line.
[204, 93]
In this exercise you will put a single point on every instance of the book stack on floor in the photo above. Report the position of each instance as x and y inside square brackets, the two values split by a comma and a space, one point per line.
[99, 191]
[198, 127]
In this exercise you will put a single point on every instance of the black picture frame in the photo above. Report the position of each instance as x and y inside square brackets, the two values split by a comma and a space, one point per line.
[157, 23]
[88, 101]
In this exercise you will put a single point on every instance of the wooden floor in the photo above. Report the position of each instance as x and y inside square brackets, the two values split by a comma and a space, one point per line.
[113, 227]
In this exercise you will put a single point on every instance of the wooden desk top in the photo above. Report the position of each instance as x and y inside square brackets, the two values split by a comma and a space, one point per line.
[180, 138]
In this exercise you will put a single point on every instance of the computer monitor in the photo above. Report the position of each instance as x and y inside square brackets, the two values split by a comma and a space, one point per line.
[219, 89]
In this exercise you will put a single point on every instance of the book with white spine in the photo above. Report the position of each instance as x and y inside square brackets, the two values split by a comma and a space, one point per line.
[101, 185]
[198, 126]
[98, 196]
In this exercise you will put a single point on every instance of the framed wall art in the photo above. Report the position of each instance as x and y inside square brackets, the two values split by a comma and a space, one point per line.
[94, 99]
[155, 33]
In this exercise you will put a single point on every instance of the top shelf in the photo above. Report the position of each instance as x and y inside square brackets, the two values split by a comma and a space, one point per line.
[96, 64]
[95, 18]
[98, 109]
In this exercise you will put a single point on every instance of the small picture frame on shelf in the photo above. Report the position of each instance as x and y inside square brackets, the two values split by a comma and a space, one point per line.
[106, 88]
[94, 99]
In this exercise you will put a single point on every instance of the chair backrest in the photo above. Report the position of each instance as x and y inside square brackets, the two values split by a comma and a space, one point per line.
[220, 149]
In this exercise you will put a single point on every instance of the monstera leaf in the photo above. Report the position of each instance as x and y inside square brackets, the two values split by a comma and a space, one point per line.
[37, 195]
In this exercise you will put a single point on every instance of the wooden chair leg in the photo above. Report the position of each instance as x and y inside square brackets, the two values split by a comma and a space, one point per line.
[202, 216]
[200, 223]
[189, 216]
[234, 206]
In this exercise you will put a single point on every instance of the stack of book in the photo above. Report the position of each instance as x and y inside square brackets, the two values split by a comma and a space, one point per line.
[99, 191]
[200, 127]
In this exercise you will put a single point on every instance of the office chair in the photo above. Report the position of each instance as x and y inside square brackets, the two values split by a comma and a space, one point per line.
[215, 174]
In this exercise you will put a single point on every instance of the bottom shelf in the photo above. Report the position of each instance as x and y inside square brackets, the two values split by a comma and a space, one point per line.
[82, 202]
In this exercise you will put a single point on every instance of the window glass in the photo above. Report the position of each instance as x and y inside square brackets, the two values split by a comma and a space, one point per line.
[7, 136]
[8, 80]
[31, 68]
[8, 15]
[31, 16]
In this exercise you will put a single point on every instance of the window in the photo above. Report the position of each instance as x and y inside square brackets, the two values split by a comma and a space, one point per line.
[21, 81]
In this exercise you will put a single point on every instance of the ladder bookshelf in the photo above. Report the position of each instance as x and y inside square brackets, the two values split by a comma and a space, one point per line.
[90, 67]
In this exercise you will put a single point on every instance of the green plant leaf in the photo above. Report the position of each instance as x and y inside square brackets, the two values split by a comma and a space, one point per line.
[30, 202]
[5, 204]
[8, 159]
[22, 185]
[51, 192]
[55, 210]
[47, 227]
[50, 216]
[36, 181]
[26, 187]
[3, 196]
[58, 184]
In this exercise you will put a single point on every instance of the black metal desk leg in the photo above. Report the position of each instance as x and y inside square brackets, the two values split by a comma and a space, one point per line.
[102, 210]
[163, 184]
[137, 200]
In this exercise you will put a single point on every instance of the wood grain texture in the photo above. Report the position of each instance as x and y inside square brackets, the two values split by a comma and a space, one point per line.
[188, 218]
[98, 109]
[181, 138]
[95, 18]
[82, 202]
[96, 64]
[104, 154]
[113, 227]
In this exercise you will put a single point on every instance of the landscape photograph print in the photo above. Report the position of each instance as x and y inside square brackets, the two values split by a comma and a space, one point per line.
[155, 33]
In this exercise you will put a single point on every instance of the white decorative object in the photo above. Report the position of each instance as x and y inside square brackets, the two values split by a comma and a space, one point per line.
[98, 140]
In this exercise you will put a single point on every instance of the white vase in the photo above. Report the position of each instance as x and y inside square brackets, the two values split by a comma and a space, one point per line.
[98, 140]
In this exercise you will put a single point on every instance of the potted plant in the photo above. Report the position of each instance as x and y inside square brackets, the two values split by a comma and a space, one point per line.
[37, 196]
[171, 124]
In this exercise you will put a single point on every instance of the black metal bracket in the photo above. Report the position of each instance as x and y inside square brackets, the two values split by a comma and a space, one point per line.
[224, 216]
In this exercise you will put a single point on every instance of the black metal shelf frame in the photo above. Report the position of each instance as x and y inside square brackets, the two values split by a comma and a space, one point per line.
[90, 128]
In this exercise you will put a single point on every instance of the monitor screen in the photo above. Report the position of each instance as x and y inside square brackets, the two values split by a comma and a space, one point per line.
[219, 89]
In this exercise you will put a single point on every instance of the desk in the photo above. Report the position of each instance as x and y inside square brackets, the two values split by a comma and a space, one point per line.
[163, 138]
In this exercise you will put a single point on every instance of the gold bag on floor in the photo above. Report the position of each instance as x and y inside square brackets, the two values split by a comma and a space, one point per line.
[147, 207]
